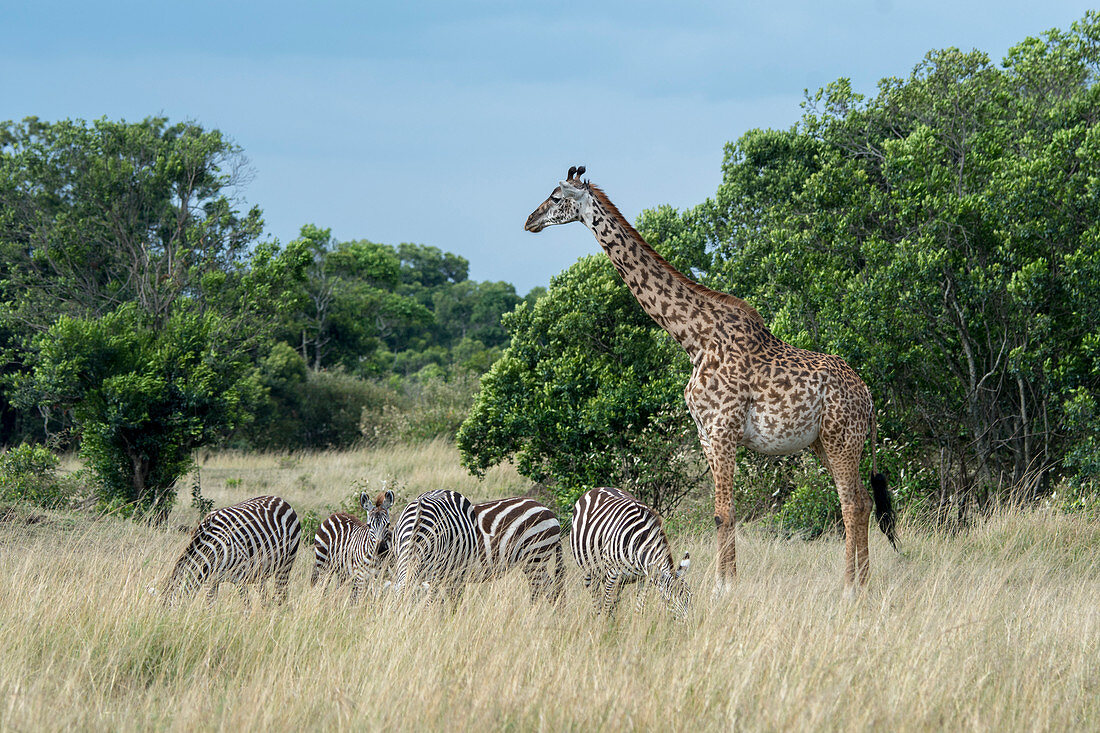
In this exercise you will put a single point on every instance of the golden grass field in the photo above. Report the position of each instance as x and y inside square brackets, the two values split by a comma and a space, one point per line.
[996, 628]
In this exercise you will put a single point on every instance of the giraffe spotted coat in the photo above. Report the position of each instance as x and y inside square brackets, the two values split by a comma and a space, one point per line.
[747, 387]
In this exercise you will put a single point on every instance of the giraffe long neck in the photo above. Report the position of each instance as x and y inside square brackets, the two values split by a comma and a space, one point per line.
[679, 305]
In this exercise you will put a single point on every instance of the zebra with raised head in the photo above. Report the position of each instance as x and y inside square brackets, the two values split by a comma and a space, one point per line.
[443, 541]
[245, 543]
[345, 548]
[617, 539]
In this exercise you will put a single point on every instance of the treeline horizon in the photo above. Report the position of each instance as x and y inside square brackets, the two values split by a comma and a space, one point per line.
[942, 235]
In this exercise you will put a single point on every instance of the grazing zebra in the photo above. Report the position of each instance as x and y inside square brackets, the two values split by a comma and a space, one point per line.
[443, 541]
[617, 539]
[244, 543]
[437, 542]
[345, 548]
[520, 532]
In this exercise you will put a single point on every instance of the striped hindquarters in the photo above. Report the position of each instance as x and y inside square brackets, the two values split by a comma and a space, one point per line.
[437, 540]
[246, 542]
[516, 532]
[612, 529]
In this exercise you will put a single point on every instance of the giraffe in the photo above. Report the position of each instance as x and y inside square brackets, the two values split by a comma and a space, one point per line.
[747, 387]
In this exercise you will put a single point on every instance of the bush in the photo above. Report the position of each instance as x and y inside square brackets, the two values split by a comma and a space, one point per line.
[430, 406]
[812, 509]
[28, 473]
[332, 406]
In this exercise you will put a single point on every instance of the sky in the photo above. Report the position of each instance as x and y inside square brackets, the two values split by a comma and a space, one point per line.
[447, 123]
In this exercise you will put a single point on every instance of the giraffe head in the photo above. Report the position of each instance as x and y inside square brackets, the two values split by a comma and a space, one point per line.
[570, 201]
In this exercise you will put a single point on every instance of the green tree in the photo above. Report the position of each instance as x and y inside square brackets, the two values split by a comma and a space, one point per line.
[135, 291]
[941, 236]
[590, 391]
[144, 394]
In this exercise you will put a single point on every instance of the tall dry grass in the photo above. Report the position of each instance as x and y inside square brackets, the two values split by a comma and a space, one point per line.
[997, 628]
[320, 480]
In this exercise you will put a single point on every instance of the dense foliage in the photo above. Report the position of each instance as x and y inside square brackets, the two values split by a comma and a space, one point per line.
[942, 236]
[141, 317]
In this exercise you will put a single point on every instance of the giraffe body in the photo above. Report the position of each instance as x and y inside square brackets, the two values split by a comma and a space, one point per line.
[747, 387]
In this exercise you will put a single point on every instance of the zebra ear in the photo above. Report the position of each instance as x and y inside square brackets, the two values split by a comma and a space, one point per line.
[364, 501]
[387, 502]
[684, 565]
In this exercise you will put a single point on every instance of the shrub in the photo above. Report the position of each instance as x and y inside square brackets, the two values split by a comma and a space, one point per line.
[332, 407]
[430, 406]
[28, 473]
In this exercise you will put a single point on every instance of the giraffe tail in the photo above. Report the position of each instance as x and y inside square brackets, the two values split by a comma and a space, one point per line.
[884, 508]
[884, 503]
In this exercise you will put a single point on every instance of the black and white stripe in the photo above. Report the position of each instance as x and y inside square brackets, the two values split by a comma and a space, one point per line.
[244, 543]
[521, 532]
[437, 543]
[345, 548]
[617, 539]
[444, 541]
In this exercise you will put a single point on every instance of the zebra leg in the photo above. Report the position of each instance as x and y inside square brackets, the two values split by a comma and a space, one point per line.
[358, 585]
[282, 579]
[212, 593]
[595, 586]
[242, 589]
[612, 585]
[454, 593]
[643, 595]
[538, 577]
[557, 585]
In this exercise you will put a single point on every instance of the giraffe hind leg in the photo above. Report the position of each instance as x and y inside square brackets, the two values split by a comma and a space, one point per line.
[855, 508]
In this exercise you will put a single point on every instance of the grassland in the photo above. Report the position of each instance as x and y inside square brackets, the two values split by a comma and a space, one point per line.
[996, 628]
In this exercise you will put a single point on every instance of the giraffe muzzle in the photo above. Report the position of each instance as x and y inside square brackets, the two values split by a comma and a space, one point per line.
[533, 225]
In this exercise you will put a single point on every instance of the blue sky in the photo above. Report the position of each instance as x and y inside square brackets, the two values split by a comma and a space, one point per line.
[447, 123]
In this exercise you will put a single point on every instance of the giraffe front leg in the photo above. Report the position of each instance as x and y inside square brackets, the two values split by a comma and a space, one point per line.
[722, 457]
[719, 411]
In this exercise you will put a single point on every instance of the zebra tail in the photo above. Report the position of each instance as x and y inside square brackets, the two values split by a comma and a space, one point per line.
[558, 583]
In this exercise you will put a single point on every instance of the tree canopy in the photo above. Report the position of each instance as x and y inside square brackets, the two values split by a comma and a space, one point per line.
[941, 236]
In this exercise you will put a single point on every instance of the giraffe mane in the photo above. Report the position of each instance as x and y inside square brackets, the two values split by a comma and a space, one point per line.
[715, 296]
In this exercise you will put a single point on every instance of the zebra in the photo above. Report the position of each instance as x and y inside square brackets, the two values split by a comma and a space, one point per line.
[521, 532]
[617, 539]
[437, 542]
[443, 541]
[345, 548]
[244, 543]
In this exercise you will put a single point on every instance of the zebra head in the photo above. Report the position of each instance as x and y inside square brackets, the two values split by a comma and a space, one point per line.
[674, 591]
[378, 518]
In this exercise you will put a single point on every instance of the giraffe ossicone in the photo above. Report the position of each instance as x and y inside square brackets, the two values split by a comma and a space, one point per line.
[747, 387]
